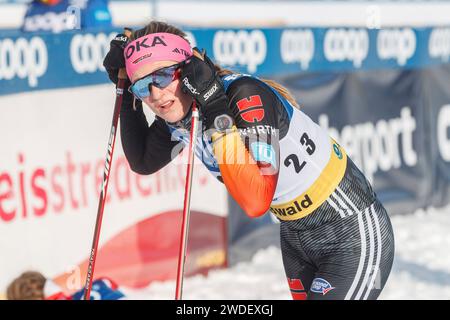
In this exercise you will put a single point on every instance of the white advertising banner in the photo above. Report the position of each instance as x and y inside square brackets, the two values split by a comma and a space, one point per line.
[53, 149]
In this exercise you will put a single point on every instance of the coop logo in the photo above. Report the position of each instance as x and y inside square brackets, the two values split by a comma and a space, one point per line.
[439, 44]
[87, 51]
[398, 44]
[23, 58]
[53, 21]
[321, 286]
[346, 45]
[246, 48]
[297, 46]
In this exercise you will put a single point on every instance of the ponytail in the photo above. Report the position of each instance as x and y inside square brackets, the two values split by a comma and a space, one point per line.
[278, 87]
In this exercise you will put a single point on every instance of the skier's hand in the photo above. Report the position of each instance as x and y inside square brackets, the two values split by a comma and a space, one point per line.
[114, 59]
[200, 79]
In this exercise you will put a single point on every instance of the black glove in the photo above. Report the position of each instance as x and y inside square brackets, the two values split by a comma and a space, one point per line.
[114, 59]
[200, 79]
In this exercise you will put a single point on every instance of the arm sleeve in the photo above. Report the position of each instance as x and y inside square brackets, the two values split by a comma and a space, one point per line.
[147, 149]
[248, 155]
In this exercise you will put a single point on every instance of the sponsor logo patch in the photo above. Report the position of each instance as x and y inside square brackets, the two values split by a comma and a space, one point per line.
[211, 91]
[264, 152]
[321, 286]
[190, 86]
[337, 151]
[250, 109]
[145, 56]
[297, 206]
[143, 44]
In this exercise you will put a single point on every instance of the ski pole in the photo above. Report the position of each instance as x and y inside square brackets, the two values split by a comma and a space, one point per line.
[101, 204]
[187, 204]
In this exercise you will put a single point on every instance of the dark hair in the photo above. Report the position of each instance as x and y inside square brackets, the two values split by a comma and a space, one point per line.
[159, 26]
[28, 286]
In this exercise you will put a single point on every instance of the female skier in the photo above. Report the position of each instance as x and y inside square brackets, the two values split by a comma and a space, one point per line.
[336, 237]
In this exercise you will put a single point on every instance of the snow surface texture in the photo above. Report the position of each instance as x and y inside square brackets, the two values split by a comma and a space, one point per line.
[421, 268]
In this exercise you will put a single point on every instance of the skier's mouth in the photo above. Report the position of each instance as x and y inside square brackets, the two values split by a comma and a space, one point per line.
[166, 106]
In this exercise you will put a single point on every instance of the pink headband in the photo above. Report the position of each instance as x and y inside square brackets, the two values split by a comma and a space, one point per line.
[155, 47]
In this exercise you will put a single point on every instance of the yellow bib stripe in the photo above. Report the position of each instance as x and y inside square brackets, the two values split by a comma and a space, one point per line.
[320, 190]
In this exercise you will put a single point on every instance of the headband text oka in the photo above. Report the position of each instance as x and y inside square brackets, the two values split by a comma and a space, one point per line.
[156, 41]
[155, 47]
[142, 43]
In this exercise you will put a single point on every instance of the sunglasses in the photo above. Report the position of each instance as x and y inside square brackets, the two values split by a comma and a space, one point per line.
[161, 78]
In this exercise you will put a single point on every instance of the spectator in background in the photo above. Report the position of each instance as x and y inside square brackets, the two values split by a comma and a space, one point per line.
[63, 15]
[32, 285]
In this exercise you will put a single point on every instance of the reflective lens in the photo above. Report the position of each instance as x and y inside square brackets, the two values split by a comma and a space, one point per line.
[160, 78]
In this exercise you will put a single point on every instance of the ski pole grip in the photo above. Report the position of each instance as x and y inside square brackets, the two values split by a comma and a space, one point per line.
[123, 72]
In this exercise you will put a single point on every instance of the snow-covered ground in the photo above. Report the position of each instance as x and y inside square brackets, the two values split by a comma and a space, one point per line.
[421, 268]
